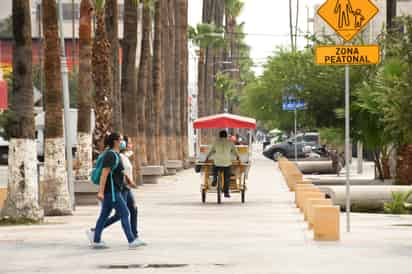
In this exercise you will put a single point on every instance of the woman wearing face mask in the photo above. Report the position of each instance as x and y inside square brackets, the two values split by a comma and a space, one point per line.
[126, 194]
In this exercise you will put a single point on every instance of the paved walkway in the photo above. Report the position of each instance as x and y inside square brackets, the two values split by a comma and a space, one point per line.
[265, 235]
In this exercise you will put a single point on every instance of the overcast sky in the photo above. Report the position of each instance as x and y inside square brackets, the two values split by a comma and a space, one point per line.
[266, 23]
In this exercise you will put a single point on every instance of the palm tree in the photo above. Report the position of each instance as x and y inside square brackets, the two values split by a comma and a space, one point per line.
[144, 83]
[163, 108]
[177, 70]
[184, 73]
[129, 82]
[102, 78]
[84, 134]
[111, 17]
[170, 92]
[55, 193]
[22, 201]
[155, 114]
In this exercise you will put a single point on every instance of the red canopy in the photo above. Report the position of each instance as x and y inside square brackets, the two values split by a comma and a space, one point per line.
[225, 120]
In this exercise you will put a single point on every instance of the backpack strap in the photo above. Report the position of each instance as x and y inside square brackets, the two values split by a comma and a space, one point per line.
[116, 164]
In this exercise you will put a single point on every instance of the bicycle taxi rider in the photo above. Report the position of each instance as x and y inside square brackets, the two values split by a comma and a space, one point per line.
[222, 150]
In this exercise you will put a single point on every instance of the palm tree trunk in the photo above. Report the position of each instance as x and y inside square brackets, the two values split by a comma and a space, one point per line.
[170, 94]
[55, 193]
[84, 134]
[102, 78]
[144, 121]
[404, 165]
[183, 83]
[129, 83]
[111, 17]
[164, 82]
[177, 76]
[156, 96]
[22, 201]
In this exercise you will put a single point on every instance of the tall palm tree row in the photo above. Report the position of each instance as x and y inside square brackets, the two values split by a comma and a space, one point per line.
[84, 134]
[129, 82]
[157, 90]
[102, 78]
[145, 123]
[164, 108]
[168, 80]
[177, 59]
[55, 197]
[111, 18]
[184, 74]
[22, 202]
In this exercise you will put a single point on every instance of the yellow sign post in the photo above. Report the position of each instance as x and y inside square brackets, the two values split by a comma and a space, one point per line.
[348, 55]
[347, 17]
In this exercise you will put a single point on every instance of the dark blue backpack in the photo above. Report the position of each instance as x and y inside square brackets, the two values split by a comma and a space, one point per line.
[97, 171]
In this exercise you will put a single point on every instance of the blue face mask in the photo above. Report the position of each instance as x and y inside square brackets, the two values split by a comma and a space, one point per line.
[123, 145]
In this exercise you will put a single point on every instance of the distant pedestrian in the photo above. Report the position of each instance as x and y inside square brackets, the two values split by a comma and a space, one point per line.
[111, 187]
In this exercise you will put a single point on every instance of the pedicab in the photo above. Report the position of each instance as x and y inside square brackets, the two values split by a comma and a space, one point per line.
[240, 167]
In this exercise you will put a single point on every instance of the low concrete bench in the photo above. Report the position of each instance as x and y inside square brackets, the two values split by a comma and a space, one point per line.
[151, 174]
[363, 198]
[318, 167]
[85, 192]
[326, 223]
[172, 166]
[308, 209]
[3, 196]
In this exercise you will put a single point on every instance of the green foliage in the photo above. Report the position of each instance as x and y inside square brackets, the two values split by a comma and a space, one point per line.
[322, 90]
[234, 7]
[207, 35]
[334, 137]
[399, 203]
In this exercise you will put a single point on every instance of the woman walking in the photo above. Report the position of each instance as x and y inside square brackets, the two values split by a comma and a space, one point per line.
[111, 188]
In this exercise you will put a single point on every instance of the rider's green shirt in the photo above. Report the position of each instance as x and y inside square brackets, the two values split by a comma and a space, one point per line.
[222, 151]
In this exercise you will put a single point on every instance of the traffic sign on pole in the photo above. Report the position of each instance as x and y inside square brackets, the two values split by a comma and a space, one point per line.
[348, 55]
[347, 17]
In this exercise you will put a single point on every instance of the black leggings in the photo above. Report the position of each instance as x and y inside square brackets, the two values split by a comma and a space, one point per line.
[226, 175]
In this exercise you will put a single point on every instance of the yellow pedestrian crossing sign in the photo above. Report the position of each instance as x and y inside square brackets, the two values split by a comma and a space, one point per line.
[348, 17]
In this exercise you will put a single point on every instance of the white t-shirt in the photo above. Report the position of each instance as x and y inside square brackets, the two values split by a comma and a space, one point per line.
[128, 167]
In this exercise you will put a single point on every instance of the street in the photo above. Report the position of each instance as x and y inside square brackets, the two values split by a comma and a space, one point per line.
[264, 235]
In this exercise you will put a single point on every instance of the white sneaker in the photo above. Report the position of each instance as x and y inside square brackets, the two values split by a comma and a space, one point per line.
[136, 243]
[100, 245]
[90, 235]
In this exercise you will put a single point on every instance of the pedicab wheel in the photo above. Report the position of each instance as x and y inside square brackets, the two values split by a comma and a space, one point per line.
[243, 195]
[203, 196]
[219, 190]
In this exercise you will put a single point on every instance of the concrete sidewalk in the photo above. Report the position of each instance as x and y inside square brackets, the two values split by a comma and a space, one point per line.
[264, 235]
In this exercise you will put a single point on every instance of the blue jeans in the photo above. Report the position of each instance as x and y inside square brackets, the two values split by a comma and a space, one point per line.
[121, 208]
[131, 205]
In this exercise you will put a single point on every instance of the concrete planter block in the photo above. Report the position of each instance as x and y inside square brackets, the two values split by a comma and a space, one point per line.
[326, 223]
[308, 209]
[3, 196]
[151, 174]
[293, 179]
[85, 192]
[299, 192]
[174, 164]
[316, 194]
[152, 170]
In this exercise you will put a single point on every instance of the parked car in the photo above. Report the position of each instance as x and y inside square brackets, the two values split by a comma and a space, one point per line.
[287, 148]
